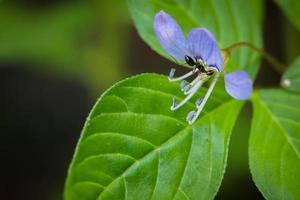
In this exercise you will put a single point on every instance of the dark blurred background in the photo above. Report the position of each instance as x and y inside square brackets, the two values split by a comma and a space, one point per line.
[57, 57]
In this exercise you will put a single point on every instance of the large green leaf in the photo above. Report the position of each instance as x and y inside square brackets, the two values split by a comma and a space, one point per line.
[274, 149]
[291, 78]
[230, 21]
[292, 9]
[134, 147]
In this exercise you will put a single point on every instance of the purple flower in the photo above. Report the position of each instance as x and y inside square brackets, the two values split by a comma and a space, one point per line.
[200, 51]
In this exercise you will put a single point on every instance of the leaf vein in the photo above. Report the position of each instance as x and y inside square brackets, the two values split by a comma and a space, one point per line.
[119, 134]
[276, 121]
[160, 146]
[90, 182]
[105, 154]
[157, 174]
[186, 164]
[171, 95]
[144, 114]
[210, 157]
[125, 188]
[184, 194]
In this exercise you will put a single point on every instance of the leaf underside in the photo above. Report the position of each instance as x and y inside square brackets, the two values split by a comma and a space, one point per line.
[134, 147]
[274, 149]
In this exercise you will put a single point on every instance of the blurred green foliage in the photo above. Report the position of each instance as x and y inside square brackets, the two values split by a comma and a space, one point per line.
[292, 9]
[82, 38]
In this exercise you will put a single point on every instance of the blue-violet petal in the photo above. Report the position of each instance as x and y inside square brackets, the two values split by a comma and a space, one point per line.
[170, 35]
[238, 84]
[202, 44]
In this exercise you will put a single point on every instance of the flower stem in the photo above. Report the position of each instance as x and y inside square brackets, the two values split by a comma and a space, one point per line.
[268, 57]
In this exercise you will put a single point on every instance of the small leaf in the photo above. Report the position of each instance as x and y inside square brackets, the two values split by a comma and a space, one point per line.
[230, 21]
[274, 150]
[292, 9]
[291, 78]
[134, 147]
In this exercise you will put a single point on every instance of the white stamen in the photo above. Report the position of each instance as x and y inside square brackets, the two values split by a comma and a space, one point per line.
[192, 93]
[208, 93]
[183, 84]
[202, 78]
[172, 72]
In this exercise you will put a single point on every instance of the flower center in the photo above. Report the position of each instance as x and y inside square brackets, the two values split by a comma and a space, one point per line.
[204, 72]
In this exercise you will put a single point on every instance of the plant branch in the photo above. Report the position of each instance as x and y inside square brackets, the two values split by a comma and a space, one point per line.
[268, 57]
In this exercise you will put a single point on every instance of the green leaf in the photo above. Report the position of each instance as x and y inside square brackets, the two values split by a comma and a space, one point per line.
[274, 150]
[134, 147]
[291, 9]
[230, 21]
[291, 78]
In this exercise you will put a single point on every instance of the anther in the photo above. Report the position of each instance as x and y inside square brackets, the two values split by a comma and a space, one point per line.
[187, 88]
[190, 116]
[174, 104]
[198, 101]
[183, 84]
[172, 73]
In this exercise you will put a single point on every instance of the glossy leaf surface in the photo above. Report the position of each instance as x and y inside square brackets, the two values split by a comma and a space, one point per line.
[134, 147]
[274, 150]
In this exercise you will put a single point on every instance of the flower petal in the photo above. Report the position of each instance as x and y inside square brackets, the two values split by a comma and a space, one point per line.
[202, 44]
[238, 84]
[170, 35]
